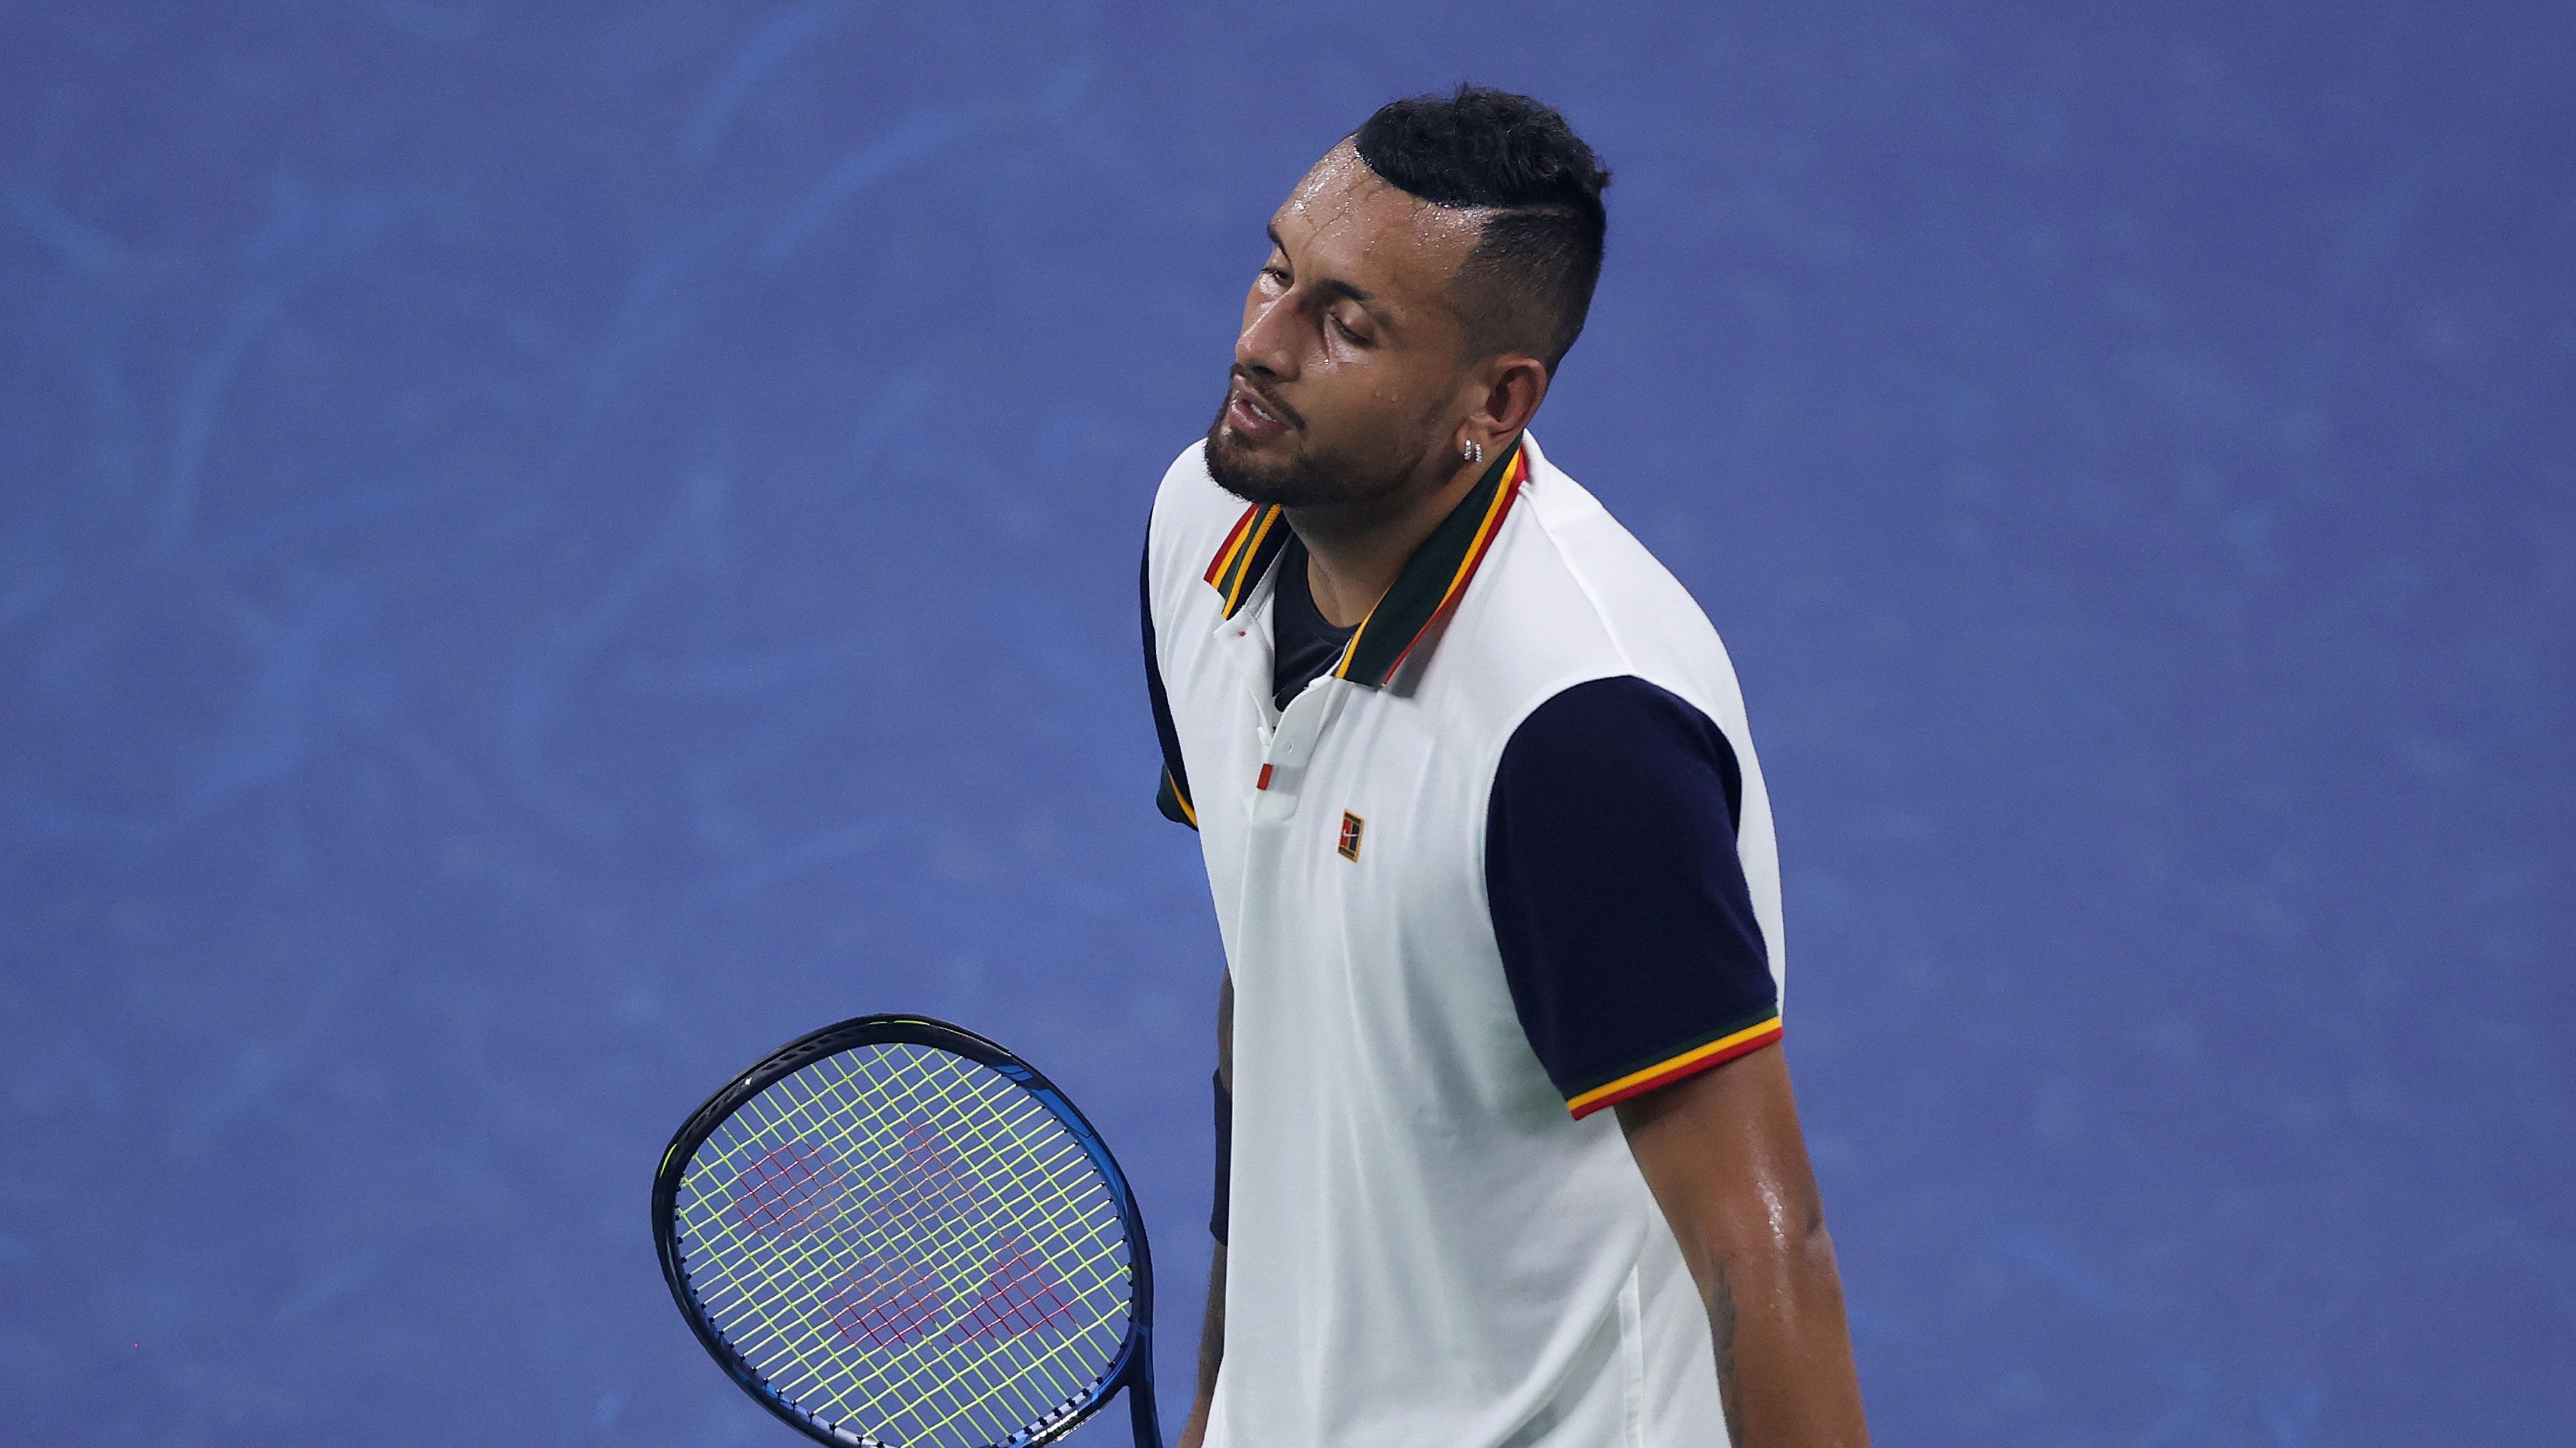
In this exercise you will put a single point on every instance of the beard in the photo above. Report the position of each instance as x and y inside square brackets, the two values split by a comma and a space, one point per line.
[1305, 478]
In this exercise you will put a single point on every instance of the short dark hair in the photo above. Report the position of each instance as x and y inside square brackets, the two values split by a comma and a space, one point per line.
[1528, 283]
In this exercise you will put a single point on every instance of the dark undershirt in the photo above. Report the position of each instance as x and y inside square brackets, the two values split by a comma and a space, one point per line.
[1303, 644]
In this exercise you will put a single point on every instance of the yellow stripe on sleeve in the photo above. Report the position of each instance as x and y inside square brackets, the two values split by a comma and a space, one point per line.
[1635, 1083]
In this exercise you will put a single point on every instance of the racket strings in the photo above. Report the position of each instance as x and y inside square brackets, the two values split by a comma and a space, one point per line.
[1000, 1391]
[1082, 1254]
[995, 1386]
[802, 1114]
[950, 1239]
[947, 1237]
[907, 1244]
[1085, 1252]
[806, 1105]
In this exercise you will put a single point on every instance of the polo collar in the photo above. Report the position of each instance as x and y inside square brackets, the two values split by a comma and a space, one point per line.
[1432, 582]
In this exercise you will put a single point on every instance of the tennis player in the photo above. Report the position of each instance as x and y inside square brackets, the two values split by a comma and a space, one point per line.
[1507, 1153]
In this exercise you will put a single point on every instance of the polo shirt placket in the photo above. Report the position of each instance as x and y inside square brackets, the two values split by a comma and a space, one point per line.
[1287, 740]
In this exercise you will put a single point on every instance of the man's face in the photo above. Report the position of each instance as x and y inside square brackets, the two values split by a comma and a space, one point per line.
[1351, 369]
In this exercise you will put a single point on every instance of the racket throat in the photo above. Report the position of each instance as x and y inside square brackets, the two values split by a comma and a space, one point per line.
[1140, 1411]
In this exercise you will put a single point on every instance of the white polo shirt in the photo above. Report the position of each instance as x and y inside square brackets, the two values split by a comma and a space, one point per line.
[1445, 902]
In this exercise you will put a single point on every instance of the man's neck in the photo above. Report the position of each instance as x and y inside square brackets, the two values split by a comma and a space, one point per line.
[1355, 551]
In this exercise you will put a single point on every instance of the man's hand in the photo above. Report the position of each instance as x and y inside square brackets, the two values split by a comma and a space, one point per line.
[1726, 1160]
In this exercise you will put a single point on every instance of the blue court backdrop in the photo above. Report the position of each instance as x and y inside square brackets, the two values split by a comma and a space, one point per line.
[548, 548]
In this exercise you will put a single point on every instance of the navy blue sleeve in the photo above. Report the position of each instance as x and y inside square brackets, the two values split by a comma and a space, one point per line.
[1626, 928]
[1172, 795]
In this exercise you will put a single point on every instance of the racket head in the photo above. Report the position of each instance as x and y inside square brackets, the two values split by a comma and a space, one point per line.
[825, 1219]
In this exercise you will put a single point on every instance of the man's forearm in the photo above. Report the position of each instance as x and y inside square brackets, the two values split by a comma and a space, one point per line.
[1212, 1326]
[1725, 1159]
[1783, 1349]
[1211, 1352]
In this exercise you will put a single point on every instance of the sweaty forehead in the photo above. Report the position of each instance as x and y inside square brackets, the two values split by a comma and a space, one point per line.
[1351, 225]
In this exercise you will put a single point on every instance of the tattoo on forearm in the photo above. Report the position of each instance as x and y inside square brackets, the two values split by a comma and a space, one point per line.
[1721, 1329]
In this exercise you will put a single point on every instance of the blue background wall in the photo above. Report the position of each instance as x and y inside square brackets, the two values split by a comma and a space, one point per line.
[546, 548]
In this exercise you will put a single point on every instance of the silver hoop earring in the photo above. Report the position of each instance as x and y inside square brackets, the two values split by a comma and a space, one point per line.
[1475, 452]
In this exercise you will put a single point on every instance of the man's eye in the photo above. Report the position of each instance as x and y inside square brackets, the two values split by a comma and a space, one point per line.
[1275, 274]
[1354, 338]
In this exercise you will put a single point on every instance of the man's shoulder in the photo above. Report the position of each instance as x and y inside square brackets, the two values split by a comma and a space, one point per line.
[1578, 597]
[1191, 514]
[1188, 488]
[1620, 577]
[1612, 577]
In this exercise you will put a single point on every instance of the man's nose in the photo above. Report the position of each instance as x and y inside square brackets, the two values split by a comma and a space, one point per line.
[1264, 345]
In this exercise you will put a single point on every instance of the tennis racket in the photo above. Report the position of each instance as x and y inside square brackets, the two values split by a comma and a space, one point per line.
[894, 1233]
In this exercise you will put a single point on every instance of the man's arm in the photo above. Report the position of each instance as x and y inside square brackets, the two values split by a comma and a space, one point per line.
[1211, 1353]
[1212, 1327]
[1726, 1160]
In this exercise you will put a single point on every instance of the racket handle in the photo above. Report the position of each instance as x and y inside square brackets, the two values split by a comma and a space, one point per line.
[1140, 1410]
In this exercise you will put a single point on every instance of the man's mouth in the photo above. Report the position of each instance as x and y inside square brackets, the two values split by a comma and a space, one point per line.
[1255, 416]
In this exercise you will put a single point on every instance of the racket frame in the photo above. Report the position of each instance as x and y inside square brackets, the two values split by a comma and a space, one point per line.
[1133, 1368]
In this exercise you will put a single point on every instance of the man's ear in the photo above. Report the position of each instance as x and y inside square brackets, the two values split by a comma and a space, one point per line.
[1515, 383]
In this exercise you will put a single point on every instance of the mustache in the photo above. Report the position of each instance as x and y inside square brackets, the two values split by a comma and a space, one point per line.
[1270, 403]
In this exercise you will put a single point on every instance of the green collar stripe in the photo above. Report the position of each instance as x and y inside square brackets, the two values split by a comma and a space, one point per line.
[1435, 576]
[1256, 539]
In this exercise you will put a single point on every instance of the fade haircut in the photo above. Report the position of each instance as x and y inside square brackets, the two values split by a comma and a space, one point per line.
[1528, 283]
